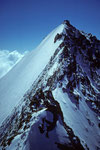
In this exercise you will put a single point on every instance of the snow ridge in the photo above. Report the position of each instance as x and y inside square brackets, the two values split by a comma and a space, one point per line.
[61, 107]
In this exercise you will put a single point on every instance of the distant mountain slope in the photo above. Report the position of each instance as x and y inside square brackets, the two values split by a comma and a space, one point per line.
[61, 108]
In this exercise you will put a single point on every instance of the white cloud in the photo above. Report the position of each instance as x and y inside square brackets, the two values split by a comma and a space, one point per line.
[8, 59]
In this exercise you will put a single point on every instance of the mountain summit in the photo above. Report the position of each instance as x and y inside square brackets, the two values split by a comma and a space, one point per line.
[50, 100]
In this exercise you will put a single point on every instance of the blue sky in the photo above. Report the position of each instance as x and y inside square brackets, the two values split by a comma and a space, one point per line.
[24, 23]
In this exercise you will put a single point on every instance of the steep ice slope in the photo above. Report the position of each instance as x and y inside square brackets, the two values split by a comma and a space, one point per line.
[20, 78]
[83, 121]
[61, 109]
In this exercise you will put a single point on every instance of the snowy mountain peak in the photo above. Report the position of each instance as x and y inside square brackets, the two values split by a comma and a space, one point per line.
[55, 100]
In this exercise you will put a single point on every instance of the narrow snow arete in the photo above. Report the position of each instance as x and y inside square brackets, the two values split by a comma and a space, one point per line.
[50, 100]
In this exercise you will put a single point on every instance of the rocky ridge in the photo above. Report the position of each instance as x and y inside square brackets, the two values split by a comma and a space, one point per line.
[74, 71]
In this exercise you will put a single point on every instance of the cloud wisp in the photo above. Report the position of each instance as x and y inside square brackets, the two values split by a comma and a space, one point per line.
[8, 59]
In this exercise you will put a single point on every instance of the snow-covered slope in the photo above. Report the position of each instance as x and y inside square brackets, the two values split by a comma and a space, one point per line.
[14, 85]
[61, 108]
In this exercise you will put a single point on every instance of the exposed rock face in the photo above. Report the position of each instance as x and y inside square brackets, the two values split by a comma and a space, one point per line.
[61, 110]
